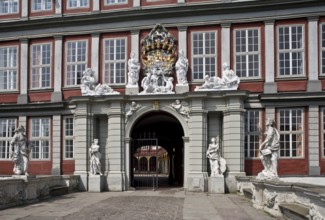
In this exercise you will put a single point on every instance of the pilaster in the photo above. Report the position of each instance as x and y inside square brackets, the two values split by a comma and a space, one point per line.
[23, 96]
[135, 43]
[116, 150]
[313, 85]
[95, 54]
[182, 39]
[58, 7]
[225, 46]
[24, 9]
[96, 5]
[57, 93]
[270, 86]
[56, 149]
[313, 140]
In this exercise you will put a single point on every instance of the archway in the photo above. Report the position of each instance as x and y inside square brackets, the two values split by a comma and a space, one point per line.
[159, 137]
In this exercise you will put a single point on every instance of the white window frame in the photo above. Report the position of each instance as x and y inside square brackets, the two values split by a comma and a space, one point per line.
[74, 64]
[322, 48]
[42, 137]
[249, 134]
[10, 5]
[68, 136]
[39, 67]
[248, 53]
[11, 69]
[204, 55]
[115, 2]
[291, 133]
[10, 126]
[79, 5]
[290, 51]
[43, 5]
[115, 62]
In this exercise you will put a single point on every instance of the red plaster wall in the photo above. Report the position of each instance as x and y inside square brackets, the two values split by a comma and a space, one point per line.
[6, 167]
[68, 167]
[8, 98]
[40, 97]
[322, 166]
[251, 86]
[292, 86]
[40, 167]
[68, 93]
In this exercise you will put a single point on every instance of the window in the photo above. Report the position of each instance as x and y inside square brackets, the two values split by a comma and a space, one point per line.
[291, 51]
[41, 5]
[7, 127]
[8, 68]
[77, 4]
[252, 133]
[41, 66]
[115, 2]
[323, 49]
[203, 54]
[247, 53]
[291, 129]
[115, 61]
[40, 138]
[76, 61]
[9, 7]
[68, 137]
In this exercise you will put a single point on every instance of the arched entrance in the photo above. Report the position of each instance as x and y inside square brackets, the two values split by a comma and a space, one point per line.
[157, 137]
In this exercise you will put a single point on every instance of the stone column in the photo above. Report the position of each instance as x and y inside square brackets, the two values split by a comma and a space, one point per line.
[136, 3]
[56, 148]
[197, 161]
[233, 141]
[83, 139]
[269, 86]
[24, 9]
[57, 93]
[225, 46]
[313, 139]
[116, 149]
[313, 85]
[95, 54]
[128, 161]
[58, 7]
[23, 96]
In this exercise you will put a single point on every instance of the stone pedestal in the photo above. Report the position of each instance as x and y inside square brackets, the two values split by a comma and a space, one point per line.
[131, 90]
[180, 88]
[216, 184]
[24, 177]
[96, 183]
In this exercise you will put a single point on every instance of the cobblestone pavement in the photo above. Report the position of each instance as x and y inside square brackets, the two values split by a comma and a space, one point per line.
[162, 204]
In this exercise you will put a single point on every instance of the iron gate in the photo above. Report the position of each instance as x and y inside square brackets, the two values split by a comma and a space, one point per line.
[144, 163]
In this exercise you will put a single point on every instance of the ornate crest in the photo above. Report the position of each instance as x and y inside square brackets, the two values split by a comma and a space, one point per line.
[159, 50]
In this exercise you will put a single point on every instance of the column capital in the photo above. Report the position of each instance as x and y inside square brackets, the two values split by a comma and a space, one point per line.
[96, 34]
[135, 32]
[269, 22]
[182, 28]
[58, 37]
[313, 18]
[225, 25]
[24, 40]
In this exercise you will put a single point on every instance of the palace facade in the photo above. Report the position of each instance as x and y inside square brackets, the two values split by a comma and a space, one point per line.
[276, 48]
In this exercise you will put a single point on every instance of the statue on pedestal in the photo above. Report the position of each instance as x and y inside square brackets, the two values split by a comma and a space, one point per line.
[95, 156]
[134, 69]
[217, 163]
[19, 152]
[269, 151]
[181, 68]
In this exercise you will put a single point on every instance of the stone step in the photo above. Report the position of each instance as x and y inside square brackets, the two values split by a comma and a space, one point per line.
[294, 211]
[59, 190]
[248, 193]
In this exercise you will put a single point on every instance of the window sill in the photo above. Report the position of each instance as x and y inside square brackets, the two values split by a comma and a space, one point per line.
[291, 78]
[71, 88]
[9, 92]
[40, 90]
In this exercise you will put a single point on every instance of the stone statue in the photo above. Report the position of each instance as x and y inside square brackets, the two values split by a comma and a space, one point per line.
[169, 85]
[134, 69]
[155, 82]
[133, 108]
[89, 88]
[269, 151]
[217, 163]
[95, 156]
[177, 105]
[181, 68]
[19, 152]
[229, 81]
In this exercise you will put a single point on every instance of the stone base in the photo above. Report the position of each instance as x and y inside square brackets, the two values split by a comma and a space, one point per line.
[197, 182]
[180, 88]
[314, 86]
[231, 181]
[56, 97]
[96, 183]
[22, 99]
[216, 184]
[115, 181]
[270, 87]
[131, 90]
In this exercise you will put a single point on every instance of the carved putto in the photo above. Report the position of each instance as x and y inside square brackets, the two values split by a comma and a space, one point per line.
[183, 110]
[89, 88]
[158, 58]
[133, 108]
[229, 81]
